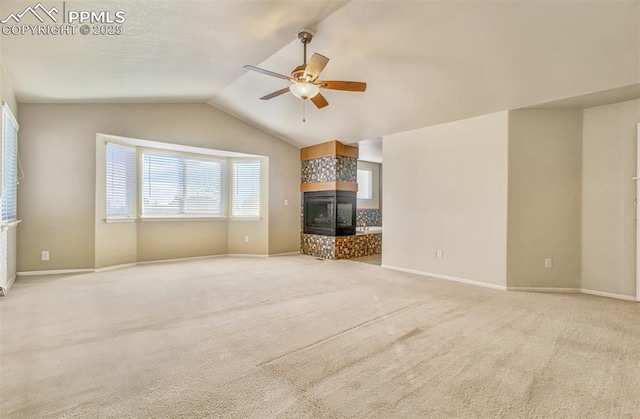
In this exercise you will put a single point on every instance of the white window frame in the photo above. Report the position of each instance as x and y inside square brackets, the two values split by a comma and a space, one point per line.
[368, 194]
[9, 119]
[190, 156]
[226, 183]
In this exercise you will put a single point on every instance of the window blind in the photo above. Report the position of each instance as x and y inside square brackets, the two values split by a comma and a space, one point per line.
[365, 184]
[246, 188]
[9, 165]
[121, 172]
[175, 185]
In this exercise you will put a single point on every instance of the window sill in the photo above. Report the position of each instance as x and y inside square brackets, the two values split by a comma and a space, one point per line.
[182, 218]
[9, 224]
[245, 218]
[110, 220]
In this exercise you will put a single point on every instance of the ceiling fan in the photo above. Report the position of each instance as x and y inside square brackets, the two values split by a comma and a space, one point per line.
[304, 78]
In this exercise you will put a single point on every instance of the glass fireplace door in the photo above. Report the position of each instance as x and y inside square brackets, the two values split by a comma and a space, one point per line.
[320, 216]
[330, 213]
[345, 216]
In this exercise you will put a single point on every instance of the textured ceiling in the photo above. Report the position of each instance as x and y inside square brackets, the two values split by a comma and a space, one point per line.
[425, 62]
[170, 51]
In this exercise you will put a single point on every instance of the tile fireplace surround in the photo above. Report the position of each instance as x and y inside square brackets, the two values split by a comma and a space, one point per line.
[332, 166]
[344, 247]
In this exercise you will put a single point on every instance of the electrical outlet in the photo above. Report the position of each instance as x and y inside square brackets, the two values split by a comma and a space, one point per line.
[246, 239]
[45, 255]
[548, 263]
[439, 253]
[286, 202]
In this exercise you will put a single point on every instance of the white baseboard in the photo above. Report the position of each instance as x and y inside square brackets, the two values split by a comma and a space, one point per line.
[446, 277]
[248, 255]
[148, 262]
[10, 282]
[543, 289]
[574, 290]
[129, 265]
[112, 267]
[609, 295]
[56, 272]
[5, 290]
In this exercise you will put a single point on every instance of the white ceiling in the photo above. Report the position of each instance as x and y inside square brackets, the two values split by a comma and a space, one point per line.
[425, 62]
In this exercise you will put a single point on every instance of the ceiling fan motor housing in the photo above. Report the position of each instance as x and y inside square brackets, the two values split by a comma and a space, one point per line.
[298, 73]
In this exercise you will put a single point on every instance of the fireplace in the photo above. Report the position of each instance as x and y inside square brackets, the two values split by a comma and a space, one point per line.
[330, 213]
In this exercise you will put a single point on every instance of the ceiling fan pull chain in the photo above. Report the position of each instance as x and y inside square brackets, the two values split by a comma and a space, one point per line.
[304, 103]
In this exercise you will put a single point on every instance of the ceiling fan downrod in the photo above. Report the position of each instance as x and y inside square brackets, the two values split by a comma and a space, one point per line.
[305, 37]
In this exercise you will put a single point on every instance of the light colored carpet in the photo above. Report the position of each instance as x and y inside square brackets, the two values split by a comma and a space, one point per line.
[298, 337]
[372, 259]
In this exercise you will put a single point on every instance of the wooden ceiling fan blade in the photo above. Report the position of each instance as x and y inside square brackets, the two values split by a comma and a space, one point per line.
[351, 86]
[267, 72]
[319, 101]
[274, 94]
[317, 63]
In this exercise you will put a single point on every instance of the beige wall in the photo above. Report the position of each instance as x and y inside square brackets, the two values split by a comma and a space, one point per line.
[158, 240]
[58, 196]
[446, 188]
[570, 198]
[7, 94]
[545, 170]
[374, 202]
[608, 193]
[116, 243]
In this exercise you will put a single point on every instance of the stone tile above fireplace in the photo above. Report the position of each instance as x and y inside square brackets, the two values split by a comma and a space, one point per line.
[329, 169]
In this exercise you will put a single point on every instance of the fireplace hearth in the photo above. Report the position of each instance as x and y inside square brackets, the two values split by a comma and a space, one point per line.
[330, 213]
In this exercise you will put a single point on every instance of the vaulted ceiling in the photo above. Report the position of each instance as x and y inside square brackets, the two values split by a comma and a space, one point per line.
[425, 62]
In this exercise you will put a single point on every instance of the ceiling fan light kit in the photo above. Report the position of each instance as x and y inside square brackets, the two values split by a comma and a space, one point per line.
[304, 79]
[304, 90]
